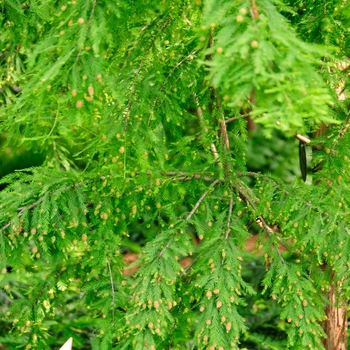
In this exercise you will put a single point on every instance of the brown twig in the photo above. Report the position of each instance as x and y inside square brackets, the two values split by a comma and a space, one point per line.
[233, 119]
[201, 199]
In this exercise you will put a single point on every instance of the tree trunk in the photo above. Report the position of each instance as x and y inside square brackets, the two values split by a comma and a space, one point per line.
[336, 325]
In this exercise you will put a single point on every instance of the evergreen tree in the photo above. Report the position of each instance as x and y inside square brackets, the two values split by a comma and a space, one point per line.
[141, 109]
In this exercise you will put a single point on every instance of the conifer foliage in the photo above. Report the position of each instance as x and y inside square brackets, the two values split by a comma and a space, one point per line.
[141, 108]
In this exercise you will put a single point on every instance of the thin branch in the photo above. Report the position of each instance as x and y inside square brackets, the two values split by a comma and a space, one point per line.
[132, 89]
[21, 210]
[229, 218]
[190, 265]
[341, 134]
[139, 34]
[214, 151]
[264, 225]
[54, 123]
[40, 294]
[80, 126]
[201, 199]
[243, 116]
[183, 176]
[113, 292]
[186, 177]
[223, 129]
[190, 177]
[228, 225]
[167, 78]
[264, 177]
[164, 249]
[87, 27]
[6, 226]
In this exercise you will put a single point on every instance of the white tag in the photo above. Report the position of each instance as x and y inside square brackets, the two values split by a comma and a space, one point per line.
[67, 345]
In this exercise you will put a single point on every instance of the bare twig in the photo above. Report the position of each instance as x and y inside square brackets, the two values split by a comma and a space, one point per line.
[167, 78]
[201, 199]
[128, 108]
[113, 292]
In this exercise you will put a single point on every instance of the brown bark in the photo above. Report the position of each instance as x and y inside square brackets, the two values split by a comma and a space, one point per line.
[336, 325]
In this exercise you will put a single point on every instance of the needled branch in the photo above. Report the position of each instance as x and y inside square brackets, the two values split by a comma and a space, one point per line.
[167, 78]
[87, 27]
[213, 149]
[260, 218]
[21, 210]
[228, 225]
[222, 133]
[132, 89]
[112, 289]
[185, 176]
